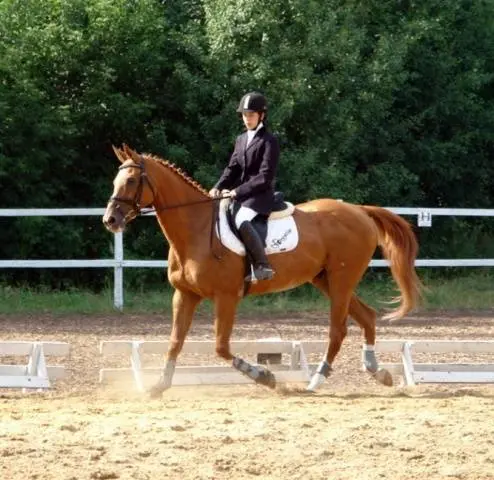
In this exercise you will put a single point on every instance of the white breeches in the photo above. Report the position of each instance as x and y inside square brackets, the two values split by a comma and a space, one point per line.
[244, 214]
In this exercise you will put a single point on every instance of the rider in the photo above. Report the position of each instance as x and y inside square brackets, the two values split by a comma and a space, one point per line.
[249, 178]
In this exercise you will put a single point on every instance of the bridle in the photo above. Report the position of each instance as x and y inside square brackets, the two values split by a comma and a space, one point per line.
[137, 210]
[134, 202]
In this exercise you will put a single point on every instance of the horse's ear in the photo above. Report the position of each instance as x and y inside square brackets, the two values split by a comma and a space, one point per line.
[134, 155]
[127, 150]
[119, 153]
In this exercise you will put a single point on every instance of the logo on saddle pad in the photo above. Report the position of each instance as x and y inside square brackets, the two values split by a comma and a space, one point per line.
[282, 233]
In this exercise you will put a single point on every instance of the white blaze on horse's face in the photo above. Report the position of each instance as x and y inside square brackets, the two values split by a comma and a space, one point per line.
[125, 201]
[125, 183]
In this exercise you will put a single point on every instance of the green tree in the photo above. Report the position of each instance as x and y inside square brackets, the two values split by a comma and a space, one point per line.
[382, 102]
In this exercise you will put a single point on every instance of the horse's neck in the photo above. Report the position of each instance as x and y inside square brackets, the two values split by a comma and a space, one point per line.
[186, 223]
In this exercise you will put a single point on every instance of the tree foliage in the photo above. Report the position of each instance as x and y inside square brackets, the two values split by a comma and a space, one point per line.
[382, 102]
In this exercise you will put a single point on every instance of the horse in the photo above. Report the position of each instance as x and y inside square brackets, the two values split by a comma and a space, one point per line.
[336, 243]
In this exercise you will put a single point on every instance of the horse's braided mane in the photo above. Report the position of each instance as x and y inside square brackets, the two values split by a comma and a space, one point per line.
[171, 166]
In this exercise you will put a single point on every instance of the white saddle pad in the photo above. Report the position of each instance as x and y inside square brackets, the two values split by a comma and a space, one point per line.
[282, 234]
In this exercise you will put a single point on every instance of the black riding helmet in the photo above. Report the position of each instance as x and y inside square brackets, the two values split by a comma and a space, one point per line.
[253, 102]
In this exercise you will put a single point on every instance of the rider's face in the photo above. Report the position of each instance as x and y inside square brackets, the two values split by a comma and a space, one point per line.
[252, 119]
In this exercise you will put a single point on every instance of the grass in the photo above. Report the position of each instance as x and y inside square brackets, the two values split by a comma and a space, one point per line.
[468, 291]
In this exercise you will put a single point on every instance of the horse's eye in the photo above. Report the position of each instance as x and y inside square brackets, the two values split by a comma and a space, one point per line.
[131, 181]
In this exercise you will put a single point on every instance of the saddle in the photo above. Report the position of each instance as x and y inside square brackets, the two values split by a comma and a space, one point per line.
[281, 209]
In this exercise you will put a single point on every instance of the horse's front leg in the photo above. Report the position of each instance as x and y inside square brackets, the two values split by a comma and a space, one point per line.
[225, 308]
[184, 305]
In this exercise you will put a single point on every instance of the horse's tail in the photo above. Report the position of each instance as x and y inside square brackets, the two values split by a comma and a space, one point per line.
[400, 248]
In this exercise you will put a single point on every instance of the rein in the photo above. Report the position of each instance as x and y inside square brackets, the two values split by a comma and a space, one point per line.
[149, 210]
[215, 219]
[135, 203]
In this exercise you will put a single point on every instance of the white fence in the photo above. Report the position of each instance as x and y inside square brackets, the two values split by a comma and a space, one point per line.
[200, 374]
[118, 263]
[298, 369]
[35, 373]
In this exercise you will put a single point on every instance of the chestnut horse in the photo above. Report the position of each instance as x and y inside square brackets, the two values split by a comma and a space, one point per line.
[336, 243]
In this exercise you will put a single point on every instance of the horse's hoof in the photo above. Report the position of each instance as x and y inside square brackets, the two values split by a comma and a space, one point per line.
[316, 381]
[156, 391]
[383, 376]
[267, 379]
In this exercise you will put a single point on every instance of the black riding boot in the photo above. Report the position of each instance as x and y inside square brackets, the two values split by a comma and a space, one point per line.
[254, 246]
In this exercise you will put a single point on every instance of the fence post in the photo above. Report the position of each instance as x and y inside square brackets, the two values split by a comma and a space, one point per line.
[118, 300]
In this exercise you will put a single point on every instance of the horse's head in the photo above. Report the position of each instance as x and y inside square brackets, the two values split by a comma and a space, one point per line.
[131, 190]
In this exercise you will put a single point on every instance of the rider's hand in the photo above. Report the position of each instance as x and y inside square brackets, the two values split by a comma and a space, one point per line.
[214, 193]
[232, 193]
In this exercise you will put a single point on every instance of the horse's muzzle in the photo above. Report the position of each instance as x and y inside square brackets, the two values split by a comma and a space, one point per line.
[113, 220]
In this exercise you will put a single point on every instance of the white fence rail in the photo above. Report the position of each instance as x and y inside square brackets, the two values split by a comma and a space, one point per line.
[118, 263]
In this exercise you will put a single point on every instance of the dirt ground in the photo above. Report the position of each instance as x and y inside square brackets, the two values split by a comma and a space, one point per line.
[351, 429]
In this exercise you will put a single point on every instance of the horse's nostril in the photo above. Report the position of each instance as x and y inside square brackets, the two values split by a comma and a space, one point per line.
[108, 221]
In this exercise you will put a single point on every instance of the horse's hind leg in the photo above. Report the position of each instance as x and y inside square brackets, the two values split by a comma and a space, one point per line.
[365, 316]
[225, 307]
